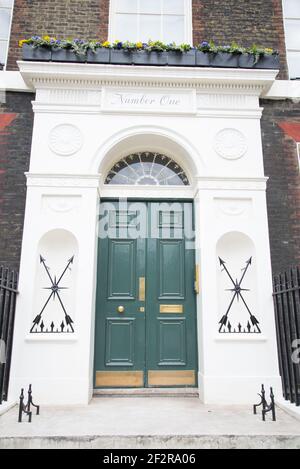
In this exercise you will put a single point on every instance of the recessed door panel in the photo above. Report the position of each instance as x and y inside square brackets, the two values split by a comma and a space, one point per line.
[172, 342]
[119, 342]
[171, 269]
[121, 269]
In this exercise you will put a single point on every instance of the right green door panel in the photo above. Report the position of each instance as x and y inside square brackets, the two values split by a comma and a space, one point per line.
[171, 351]
[153, 341]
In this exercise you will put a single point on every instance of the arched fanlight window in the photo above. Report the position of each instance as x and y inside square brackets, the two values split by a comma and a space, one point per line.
[147, 169]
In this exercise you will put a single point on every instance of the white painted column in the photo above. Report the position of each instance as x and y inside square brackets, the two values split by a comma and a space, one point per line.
[232, 367]
[60, 221]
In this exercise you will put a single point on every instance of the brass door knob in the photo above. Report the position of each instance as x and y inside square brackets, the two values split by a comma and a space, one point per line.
[121, 309]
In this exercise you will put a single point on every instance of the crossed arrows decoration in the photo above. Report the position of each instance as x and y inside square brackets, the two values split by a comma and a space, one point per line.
[55, 289]
[237, 295]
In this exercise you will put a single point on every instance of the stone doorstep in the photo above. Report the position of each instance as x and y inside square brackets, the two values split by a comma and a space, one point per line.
[289, 408]
[147, 392]
[6, 406]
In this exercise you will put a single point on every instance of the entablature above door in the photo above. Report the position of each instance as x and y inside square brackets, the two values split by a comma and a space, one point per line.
[112, 89]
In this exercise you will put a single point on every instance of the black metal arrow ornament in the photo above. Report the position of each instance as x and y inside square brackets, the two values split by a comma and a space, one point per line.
[225, 325]
[55, 288]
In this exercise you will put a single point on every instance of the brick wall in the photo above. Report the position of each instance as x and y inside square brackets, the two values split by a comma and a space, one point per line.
[16, 120]
[67, 18]
[283, 195]
[247, 22]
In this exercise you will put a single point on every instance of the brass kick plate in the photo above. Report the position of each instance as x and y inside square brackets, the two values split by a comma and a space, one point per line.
[171, 309]
[172, 378]
[119, 379]
[142, 288]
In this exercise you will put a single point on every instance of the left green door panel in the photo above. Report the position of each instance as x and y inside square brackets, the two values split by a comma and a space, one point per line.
[120, 336]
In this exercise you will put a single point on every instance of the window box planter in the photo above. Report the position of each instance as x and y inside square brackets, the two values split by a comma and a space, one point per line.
[150, 58]
[65, 55]
[268, 61]
[41, 54]
[121, 57]
[246, 61]
[100, 56]
[203, 59]
[224, 59]
[182, 59]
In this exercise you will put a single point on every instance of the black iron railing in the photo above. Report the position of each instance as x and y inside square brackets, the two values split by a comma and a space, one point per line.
[287, 313]
[8, 293]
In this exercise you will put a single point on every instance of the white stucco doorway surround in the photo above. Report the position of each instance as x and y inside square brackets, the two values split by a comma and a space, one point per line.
[87, 118]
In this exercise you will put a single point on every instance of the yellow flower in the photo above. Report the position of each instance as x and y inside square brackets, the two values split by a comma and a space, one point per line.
[139, 45]
[23, 41]
[46, 38]
[269, 51]
[106, 44]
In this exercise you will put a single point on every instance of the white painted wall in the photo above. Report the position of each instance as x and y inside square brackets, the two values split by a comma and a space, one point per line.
[214, 133]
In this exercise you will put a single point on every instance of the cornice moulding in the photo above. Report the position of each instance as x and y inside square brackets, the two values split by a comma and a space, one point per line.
[229, 183]
[89, 181]
[50, 74]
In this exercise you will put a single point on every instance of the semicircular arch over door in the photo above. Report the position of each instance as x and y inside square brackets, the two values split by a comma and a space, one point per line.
[148, 169]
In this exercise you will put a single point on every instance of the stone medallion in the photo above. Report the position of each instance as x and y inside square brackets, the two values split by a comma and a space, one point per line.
[230, 144]
[65, 140]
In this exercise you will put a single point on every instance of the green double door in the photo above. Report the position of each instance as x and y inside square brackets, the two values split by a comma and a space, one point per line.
[146, 331]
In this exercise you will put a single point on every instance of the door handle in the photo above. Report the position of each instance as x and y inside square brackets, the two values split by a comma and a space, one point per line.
[121, 309]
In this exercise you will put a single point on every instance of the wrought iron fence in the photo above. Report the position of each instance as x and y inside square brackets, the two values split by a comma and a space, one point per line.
[8, 294]
[287, 313]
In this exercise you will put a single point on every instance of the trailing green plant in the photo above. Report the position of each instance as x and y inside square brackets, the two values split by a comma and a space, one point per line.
[173, 47]
[259, 52]
[155, 46]
[78, 46]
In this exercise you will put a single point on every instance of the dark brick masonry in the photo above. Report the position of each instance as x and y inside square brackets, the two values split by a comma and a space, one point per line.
[283, 195]
[246, 22]
[67, 18]
[16, 120]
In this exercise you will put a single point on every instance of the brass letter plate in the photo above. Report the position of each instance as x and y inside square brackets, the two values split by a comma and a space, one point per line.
[169, 309]
[142, 288]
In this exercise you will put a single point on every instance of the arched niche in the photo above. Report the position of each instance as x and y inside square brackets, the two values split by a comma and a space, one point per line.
[55, 285]
[237, 284]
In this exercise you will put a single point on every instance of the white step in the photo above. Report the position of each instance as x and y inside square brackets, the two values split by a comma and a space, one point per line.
[147, 392]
